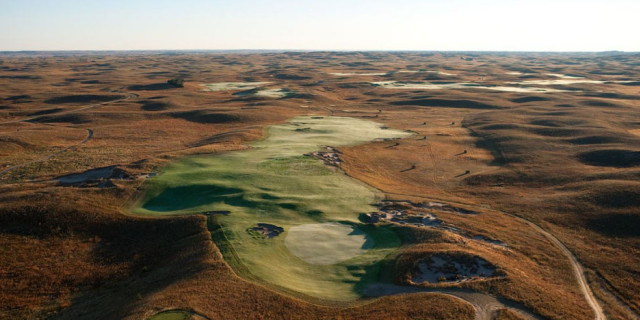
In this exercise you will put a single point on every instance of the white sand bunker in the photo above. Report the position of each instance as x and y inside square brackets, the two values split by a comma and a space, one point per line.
[232, 86]
[327, 243]
[445, 269]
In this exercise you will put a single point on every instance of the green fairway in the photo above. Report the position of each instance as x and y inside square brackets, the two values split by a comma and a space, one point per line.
[324, 251]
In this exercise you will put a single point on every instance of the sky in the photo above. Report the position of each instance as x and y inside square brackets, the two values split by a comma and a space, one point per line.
[439, 25]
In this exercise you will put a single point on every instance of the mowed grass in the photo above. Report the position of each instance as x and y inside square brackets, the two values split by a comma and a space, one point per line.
[275, 182]
[171, 315]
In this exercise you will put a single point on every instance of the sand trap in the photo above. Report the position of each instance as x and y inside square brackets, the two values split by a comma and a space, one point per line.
[419, 219]
[458, 85]
[268, 230]
[440, 268]
[232, 86]
[327, 243]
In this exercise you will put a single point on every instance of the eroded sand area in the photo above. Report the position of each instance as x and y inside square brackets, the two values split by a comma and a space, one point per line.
[324, 251]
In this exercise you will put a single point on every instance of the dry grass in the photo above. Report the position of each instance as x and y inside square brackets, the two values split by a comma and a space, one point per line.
[71, 252]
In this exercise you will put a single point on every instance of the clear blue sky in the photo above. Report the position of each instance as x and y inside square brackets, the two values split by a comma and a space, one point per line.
[535, 25]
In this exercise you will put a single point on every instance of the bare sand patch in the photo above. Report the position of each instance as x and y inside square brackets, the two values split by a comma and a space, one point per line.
[267, 230]
[443, 268]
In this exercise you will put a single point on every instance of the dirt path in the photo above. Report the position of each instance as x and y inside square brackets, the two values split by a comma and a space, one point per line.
[485, 305]
[434, 162]
[82, 108]
[89, 131]
[45, 158]
[578, 270]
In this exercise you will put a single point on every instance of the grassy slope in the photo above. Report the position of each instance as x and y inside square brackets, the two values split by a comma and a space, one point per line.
[48, 265]
[275, 183]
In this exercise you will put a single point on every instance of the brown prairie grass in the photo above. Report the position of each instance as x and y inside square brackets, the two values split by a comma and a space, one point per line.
[74, 252]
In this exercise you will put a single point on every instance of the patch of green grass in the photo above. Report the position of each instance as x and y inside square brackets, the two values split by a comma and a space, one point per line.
[171, 315]
[275, 183]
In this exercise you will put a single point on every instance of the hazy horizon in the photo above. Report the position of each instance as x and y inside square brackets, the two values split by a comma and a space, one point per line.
[349, 25]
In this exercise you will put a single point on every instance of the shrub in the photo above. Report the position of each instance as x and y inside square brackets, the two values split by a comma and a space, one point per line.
[177, 82]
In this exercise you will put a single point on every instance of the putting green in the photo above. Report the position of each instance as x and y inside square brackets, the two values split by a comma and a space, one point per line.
[327, 243]
[324, 251]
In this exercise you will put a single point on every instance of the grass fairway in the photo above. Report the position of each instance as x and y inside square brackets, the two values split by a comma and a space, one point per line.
[323, 252]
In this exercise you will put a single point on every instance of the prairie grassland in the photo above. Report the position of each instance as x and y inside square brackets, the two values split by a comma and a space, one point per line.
[566, 161]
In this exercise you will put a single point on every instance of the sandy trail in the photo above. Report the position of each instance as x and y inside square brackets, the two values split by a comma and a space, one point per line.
[485, 305]
[577, 270]
[85, 140]
[577, 267]
[82, 108]
[47, 157]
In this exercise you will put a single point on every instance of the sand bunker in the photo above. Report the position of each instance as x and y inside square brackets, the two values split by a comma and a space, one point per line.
[457, 85]
[402, 217]
[267, 230]
[327, 243]
[446, 208]
[232, 86]
[329, 155]
[442, 268]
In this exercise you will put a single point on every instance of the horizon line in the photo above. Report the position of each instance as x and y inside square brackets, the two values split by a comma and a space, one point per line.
[313, 50]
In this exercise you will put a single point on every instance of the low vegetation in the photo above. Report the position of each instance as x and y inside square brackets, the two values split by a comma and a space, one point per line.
[564, 159]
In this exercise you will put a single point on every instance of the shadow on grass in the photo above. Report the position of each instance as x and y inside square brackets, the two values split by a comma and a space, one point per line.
[151, 87]
[197, 195]
[83, 98]
[617, 225]
[133, 258]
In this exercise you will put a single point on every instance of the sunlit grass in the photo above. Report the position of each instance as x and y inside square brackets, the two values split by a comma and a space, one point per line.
[275, 182]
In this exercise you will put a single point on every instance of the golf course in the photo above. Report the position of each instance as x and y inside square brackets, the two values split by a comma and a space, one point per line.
[280, 215]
